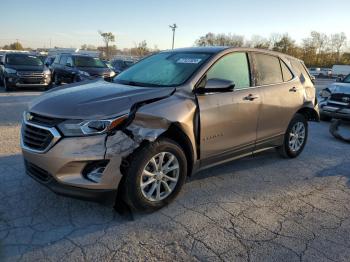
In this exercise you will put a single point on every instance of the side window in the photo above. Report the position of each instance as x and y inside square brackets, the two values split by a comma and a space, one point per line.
[300, 70]
[69, 61]
[233, 67]
[63, 60]
[57, 59]
[287, 74]
[268, 69]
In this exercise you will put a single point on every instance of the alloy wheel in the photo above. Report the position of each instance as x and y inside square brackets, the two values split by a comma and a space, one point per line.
[160, 176]
[297, 136]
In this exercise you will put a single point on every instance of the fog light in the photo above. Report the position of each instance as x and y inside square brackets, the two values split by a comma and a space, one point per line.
[94, 171]
[96, 174]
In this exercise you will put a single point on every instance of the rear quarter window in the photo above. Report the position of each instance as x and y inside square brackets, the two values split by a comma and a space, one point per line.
[300, 70]
[268, 69]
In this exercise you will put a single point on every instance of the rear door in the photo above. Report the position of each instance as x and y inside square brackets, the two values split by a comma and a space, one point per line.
[281, 95]
[228, 121]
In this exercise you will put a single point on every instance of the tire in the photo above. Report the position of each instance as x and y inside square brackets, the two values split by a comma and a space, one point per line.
[325, 118]
[140, 162]
[56, 80]
[6, 85]
[290, 149]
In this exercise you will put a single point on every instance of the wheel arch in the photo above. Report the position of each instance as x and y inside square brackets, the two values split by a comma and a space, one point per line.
[309, 113]
[174, 132]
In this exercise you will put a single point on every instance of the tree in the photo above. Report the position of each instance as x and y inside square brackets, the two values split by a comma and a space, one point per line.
[257, 41]
[107, 38]
[338, 41]
[13, 46]
[284, 45]
[211, 39]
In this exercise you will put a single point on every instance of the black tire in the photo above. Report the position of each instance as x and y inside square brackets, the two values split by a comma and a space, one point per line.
[325, 118]
[285, 150]
[6, 86]
[131, 187]
[56, 80]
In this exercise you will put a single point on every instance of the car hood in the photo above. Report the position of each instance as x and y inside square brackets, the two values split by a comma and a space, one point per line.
[95, 71]
[26, 68]
[339, 88]
[94, 100]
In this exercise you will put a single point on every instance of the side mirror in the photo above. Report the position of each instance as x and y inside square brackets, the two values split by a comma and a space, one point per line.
[216, 85]
[313, 79]
[47, 64]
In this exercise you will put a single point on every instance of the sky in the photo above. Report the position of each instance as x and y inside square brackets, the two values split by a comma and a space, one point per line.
[45, 23]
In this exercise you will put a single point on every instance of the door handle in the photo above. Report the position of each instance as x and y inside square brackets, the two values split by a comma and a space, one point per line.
[250, 97]
[293, 89]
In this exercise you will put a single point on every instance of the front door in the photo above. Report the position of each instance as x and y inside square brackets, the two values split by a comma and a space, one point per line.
[228, 121]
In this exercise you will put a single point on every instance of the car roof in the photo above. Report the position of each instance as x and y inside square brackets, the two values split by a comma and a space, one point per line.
[219, 49]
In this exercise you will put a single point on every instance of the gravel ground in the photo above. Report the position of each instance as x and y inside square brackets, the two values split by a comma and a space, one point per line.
[260, 208]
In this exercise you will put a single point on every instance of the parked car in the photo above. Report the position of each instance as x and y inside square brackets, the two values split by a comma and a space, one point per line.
[23, 70]
[119, 65]
[49, 60]
[171, 114]
[320, 72]
[335, 101]
[340, 70]
[70, 68]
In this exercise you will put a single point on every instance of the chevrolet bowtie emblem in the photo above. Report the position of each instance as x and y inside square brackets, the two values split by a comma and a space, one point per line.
[29, 116]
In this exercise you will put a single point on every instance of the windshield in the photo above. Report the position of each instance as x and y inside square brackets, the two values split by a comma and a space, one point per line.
[87, 61]
[22, 59]
[347, 79]
[164, 69]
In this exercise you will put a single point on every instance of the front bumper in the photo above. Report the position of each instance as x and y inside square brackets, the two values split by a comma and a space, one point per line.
[28, 81]
[335, 112]
[61, 168]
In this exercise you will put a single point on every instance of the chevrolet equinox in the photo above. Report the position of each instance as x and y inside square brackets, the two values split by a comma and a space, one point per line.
[137, 138]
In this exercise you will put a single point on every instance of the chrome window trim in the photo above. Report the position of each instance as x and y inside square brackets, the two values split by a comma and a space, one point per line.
[56, 136]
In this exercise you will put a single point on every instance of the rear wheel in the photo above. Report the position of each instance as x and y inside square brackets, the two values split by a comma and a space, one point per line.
[155, 175]
[295, 138]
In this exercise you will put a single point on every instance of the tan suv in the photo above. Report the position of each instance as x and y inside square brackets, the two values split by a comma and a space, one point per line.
[171, 114]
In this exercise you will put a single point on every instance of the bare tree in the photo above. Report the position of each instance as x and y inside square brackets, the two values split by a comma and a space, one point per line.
[107, 37]
[338, 42]
[211, 39]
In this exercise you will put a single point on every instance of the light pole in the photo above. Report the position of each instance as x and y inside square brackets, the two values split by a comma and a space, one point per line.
[173, 28]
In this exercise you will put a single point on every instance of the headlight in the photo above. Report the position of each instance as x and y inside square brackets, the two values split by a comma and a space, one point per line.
[111, 74]
[325, 93]
[10, 71]
[47, 72]
[90, 127]
[84, 73]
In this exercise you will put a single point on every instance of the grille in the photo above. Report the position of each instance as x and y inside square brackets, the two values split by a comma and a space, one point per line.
[28, 74]
[36, 138]
[37, 172]
[45, 120]
[339, 97]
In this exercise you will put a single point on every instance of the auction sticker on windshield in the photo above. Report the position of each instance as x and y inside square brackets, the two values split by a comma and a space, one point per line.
[189, 60]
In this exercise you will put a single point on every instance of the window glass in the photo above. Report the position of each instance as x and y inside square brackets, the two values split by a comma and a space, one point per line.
[63, 60]
[287, 74]
[268, 69]
[57, 59]
[23, 59]
[300, 70]
[163, 69]
[69, 61]
[233, 67]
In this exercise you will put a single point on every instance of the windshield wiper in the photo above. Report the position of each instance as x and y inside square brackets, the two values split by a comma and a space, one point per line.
[133, 83]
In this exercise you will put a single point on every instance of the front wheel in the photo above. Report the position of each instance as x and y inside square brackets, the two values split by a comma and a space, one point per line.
[295, 138]
[6, 85]
[155, 175]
